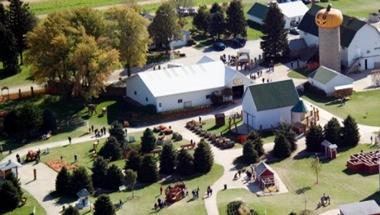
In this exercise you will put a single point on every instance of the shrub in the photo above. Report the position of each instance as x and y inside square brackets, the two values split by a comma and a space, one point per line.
[111, 149]
[62, 182]
[203, 157]
[148, 141]
[103, 206]
[114, 177]
[117, 131]
[167, 159]
[177, 136]
[239, 208]
[99, 172]
[10, 197]
[71, 211]
[80, 180]
[185, 163]
[133, 162]
[148, 172]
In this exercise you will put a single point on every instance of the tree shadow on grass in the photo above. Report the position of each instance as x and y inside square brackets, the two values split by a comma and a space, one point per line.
[59, 200]
[375, 196]
[239, 163]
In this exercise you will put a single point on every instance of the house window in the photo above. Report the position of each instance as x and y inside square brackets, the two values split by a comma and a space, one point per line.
[159, 104]
[135, 93]
[146, 99]
[208, 96]
[179, 100]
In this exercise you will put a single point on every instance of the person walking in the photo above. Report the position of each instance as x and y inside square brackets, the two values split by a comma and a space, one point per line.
[35, 174]
[69, 138]
[161, 189]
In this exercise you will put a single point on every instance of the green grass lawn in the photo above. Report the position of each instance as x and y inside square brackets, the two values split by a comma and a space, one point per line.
[363, 106]
[20, 79]
[296, 174]
[145, 197]
[298, 74]
[28, 207]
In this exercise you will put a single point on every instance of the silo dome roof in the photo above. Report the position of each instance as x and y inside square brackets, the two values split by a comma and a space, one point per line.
[329, 17]
[300, 107]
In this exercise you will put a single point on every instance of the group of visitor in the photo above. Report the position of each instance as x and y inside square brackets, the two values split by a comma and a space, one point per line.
[195, 193]
[97, 132]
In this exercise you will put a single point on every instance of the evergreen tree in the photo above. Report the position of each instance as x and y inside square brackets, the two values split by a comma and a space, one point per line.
[282, 147]
[80, 180]
[15, 181]
[255, 138]
[215, 7]
[250, 155]
[21, 21]
[117, 131]
[148, 141]
[133, 162]
[274, 41]
[332, 131]
[203, 157]
[111, 149]
[62, 182]
[104, 206]
[130, 180]
[314, 138]
[10, 198]
[216, 25]
[115, 177]
[236, 23]
[99, 172]
[185, 163]
[164, 27]
[167, 159]
[350, 132]
[201, 19]
[289, 134]
[49, 121]
[71, 211]
[148, 172]
[8, 54]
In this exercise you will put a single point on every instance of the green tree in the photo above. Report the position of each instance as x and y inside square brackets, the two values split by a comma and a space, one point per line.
[148, 171]
[215, 7]
[201, 19]
[99, 172]
[15, 181]
[118, 132]
[62, 182]
[10, 198]
[80, 180]
[274, 42]
[115, 177]
[235, 22]
[21, 21]
[71, 211]
[185, 163]
[350, 132]
[255, 138]
[133, 162]
[316, 167]
[332, 131]
[314, 138]
[216, 25]
[111, 149]
[131, 30]
[167, 159]
[130, 180]
[250, 155]
[203, 157]
[8, 54]
[148, 141]
[164, 27]
[289, 134]
[282, 147]
[104, 206]
[49, 121]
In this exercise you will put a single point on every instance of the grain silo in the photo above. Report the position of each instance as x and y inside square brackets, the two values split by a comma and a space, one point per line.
[328, 21]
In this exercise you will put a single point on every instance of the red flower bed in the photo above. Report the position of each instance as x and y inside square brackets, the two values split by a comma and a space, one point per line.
[57, 165]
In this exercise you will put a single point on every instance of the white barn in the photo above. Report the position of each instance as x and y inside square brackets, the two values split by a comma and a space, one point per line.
[267, 105]
[185, 87]
[293, 12]
[328, 80]
[360, 40]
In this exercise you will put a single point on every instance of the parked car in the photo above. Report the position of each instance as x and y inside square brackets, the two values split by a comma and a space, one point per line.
[294, 31]
[219, 46]
[238, 42]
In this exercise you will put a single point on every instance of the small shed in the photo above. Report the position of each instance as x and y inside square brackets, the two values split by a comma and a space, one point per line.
[265, 175]
[83, 200]
[220, 119]
[369, 207]
[330, 149]
[9, 167]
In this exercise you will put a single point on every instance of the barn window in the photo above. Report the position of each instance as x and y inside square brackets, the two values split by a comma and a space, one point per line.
[159, 104]
[146, 98]
[179, 100]
[208, 96]
[135, 93]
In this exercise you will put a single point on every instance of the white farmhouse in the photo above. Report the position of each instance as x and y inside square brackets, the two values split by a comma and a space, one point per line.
[360, 40]
[185, 87]
[267, 105]
[329, 80]
[293, 12]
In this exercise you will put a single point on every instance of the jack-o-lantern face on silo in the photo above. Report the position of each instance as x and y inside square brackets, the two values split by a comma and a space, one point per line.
[329, 18]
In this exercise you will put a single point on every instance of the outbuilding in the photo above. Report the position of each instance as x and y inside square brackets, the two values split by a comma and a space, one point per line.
[8, 168]
[267, 105]
[265, 175]
[293, 12]
[185, 87]
[329, 80]
[369, 207]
